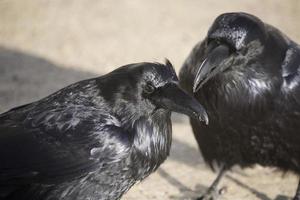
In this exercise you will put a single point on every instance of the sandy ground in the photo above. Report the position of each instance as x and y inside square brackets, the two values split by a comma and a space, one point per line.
[48, 44]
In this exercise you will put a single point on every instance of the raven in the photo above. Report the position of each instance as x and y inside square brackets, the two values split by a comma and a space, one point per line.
[93, 139]
[246, 74]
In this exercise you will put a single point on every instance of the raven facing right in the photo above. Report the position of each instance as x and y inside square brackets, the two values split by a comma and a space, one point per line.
[246, 74]
[93, 139]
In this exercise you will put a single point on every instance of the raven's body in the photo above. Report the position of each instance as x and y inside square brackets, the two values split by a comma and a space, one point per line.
[253, 100]
[91, 140]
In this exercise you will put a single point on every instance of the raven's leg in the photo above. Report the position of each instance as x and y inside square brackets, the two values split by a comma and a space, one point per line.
[212, 192]
[297, 195]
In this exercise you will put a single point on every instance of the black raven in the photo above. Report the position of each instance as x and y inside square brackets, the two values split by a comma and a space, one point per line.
[93, 139]
[247, 75]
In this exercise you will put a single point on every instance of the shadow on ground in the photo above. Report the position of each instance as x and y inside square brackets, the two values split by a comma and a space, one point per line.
[26, 77]
[258, 194]
[185, 154]
[185, 192]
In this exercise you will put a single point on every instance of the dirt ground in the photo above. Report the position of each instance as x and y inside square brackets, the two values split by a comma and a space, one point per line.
[48, 44]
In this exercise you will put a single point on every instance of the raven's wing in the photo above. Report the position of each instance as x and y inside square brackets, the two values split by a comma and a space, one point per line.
[56, 145]
[291, 73]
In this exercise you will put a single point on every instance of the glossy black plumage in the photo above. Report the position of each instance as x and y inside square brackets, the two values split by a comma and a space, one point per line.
[93, 139]
[246, 73]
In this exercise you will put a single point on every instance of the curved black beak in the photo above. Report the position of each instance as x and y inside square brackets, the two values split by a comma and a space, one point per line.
[211, 66]
[173, 98]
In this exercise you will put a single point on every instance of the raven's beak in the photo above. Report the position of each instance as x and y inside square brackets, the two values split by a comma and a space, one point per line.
[211, 66]
[173, 98]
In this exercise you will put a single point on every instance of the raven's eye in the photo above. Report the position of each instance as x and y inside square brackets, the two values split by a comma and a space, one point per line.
[149, 88]
[218, 41]
[214, 42]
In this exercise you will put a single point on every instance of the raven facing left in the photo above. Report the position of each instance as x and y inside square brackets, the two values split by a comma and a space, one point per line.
[247, 75]
[93, 139]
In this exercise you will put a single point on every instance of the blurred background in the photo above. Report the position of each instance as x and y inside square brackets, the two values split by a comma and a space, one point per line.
[48, 44]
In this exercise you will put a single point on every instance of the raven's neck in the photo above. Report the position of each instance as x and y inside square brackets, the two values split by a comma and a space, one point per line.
[236, 96]
[152, 141]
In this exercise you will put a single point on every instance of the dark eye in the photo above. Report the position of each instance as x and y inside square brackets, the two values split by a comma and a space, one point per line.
[214, 42]
[218, 41]
[149, 88]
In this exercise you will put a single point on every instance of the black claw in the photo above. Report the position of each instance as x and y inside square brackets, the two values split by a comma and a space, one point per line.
[213, 194]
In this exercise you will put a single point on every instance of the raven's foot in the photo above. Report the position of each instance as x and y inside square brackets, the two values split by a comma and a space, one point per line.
[213, 194]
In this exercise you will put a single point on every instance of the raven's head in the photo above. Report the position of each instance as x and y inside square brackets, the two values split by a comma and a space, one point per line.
[141, 89]
[240, 51]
